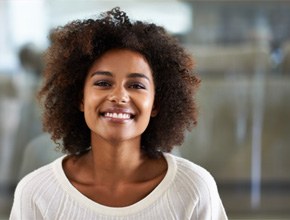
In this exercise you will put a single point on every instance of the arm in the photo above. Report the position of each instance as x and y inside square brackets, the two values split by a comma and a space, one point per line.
[23, 206]
[210, 206]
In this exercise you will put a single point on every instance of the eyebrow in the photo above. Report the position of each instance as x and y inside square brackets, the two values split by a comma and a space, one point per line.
[138, 75]
[104, 73]
[131, 75]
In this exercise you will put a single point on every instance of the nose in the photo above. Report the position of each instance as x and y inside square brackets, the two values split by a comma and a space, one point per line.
[119, 95]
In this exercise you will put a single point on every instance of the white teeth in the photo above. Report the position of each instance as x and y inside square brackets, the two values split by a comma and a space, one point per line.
[119, 115]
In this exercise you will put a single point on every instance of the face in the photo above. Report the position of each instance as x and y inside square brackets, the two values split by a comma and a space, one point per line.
[118, 96]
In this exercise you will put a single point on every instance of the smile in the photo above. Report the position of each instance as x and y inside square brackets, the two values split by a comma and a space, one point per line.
[117, 115]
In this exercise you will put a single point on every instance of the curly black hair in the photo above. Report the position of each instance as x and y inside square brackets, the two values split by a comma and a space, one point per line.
[75, 46]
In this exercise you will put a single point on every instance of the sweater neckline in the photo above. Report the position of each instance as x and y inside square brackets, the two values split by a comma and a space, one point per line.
[152, 197]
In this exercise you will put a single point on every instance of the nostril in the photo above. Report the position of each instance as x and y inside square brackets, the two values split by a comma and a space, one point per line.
[113, 98]
[119, 99]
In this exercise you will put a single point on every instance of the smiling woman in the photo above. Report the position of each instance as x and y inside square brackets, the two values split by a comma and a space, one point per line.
[119, 95]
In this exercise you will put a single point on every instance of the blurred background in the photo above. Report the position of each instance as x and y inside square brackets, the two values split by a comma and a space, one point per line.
[242, 53]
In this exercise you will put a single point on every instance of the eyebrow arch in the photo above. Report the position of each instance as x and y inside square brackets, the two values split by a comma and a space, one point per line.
[131, 75]
[104, 73]
[138, 75]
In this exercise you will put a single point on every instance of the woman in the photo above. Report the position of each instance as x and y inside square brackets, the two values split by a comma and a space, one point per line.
[119, 96]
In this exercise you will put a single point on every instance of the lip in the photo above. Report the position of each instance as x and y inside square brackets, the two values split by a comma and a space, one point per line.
[117, 114]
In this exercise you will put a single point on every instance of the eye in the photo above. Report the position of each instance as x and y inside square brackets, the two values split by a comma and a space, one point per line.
[102, 83]
[137, 86]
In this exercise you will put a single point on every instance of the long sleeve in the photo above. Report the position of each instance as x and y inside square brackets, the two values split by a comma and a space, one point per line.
[16, 208]
[23, 208]
[210, 205]
[198, 187]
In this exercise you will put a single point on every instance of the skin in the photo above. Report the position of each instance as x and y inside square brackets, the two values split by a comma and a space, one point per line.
[118, 103]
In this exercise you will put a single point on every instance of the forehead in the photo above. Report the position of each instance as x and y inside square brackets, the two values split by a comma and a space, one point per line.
[122, 59]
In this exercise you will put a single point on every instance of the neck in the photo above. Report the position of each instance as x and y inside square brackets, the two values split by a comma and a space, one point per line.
[115, 162]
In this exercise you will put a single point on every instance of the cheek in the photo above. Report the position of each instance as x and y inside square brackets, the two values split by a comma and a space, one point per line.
[90, 103]
[147, 104]
[90, 98]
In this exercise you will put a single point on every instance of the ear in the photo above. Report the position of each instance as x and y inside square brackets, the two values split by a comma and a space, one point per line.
[82, 106]
[154, 111]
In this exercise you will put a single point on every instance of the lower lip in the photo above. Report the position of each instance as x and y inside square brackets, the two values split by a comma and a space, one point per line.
[118, 120]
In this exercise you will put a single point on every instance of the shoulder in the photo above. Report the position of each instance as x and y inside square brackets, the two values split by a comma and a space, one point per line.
[191, 172]
[35, 181]
[196, 186]
[193, 180]
[35, 191]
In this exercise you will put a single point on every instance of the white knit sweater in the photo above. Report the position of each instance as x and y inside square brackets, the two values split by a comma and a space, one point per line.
[186, 192]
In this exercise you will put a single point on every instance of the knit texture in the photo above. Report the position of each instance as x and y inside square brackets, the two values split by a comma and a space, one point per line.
[187, 191]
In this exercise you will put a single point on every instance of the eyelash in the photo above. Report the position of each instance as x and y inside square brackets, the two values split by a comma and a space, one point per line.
[102, 84]
[137, 86]
[108, 84]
